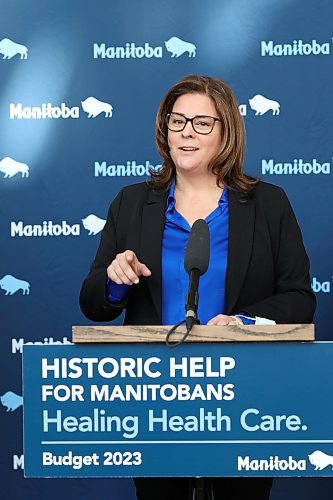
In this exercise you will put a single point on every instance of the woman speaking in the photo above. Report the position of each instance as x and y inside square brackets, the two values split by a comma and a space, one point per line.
[258, 270]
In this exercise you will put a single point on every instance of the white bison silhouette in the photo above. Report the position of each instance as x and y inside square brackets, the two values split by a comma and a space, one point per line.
[93, 224]
[11, 167]
[177, 47]
[94, 107]
[12, 285]
[9, 49]
[260, 104]
[320, 460]
[11, 400]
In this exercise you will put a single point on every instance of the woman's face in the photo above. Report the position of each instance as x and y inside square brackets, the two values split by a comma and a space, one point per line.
[189, 150]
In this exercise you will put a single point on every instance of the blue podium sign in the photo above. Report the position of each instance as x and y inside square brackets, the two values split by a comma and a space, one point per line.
[199, 410]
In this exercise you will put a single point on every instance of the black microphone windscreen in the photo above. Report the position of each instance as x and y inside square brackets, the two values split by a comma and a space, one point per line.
[198, 248]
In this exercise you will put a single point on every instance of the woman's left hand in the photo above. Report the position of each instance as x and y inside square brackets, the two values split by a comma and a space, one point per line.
[223, 319]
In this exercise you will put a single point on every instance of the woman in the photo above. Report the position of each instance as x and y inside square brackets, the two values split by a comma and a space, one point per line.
[258, 269]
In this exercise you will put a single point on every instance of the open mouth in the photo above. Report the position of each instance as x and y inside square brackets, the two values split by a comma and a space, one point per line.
[188, 149]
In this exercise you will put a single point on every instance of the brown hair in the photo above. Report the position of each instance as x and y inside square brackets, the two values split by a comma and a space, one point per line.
[227, 165]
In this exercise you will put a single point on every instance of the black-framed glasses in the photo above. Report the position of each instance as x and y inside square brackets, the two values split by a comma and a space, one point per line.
[201, 124]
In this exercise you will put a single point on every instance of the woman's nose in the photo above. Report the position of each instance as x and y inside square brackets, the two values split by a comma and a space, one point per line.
[188, 130]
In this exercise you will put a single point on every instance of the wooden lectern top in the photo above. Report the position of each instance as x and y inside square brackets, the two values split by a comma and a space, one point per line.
[200, 333]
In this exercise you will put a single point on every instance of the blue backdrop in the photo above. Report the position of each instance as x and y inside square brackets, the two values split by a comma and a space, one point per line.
[80, 85]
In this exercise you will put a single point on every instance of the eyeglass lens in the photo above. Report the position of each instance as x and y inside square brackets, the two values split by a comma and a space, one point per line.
[201, 124]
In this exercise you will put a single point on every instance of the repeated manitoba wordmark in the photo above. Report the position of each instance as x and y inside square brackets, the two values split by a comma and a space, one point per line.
[92, 223]
[92, 106]
[271, 463]
[318, 459]
[17, 343]
[296, 166]
[130, 50]
[129, 168]
[295, 48]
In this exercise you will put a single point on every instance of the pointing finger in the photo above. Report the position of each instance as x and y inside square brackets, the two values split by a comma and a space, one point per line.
[143, 270]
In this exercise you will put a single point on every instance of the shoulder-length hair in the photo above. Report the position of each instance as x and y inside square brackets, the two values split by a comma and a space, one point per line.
[227, 164]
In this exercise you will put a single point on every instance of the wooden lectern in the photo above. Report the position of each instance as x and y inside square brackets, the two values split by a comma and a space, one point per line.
[199, 333]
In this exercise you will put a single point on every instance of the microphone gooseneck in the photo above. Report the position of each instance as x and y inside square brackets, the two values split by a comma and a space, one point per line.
[196, 264]
[192, 300]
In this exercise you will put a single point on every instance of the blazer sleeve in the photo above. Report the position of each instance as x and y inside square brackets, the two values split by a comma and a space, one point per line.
[293, 300]
[93, 295]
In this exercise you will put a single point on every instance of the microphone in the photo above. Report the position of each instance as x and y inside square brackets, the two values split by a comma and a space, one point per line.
[196, 264]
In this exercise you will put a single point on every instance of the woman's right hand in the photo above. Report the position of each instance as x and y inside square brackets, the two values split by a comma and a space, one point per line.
[125, 269]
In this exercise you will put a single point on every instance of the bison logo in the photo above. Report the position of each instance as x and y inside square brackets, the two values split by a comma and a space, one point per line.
[261, 105]
[94, 107]
[11, 401]
[93, 224]
[11, 285]
[178, 47]
[11, 167]
[10, 49]
[320, 460]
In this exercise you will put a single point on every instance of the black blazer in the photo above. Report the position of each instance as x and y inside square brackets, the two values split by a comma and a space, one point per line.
[267, 268]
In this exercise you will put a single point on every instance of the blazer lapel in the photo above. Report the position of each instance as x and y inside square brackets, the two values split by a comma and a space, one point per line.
[153, 220]
[241, 230]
